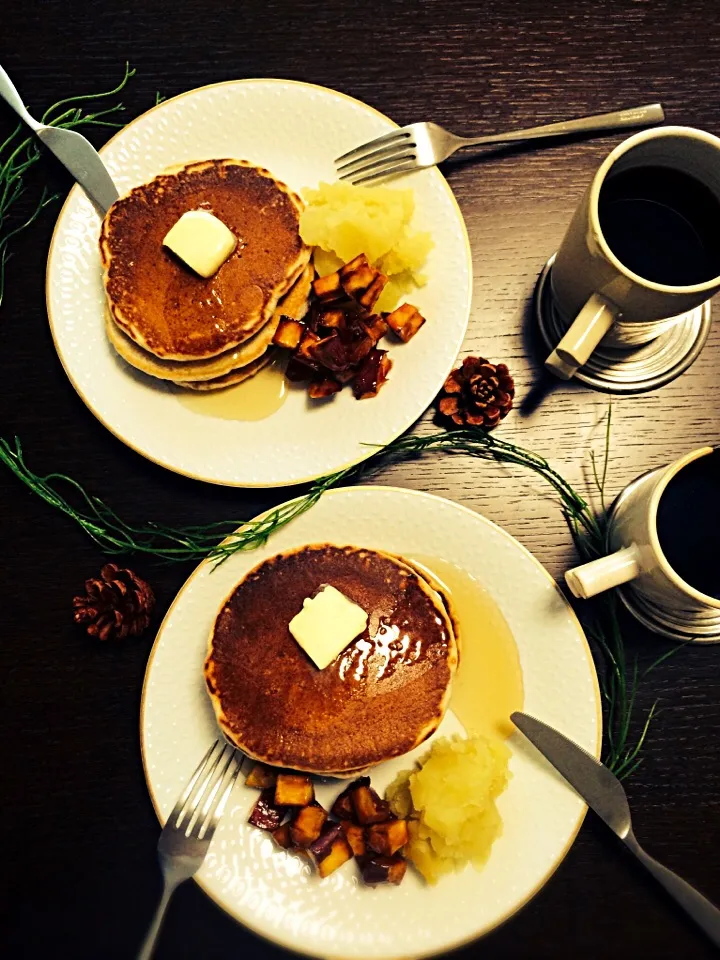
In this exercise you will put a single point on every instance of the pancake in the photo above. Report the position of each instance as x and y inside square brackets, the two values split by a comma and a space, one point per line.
[233, 377]
[440, 590]
[381, 697]
[294, 304]
[163, 305]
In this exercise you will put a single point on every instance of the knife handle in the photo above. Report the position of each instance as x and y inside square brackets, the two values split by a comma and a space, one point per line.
[13, 99]
[704, 913]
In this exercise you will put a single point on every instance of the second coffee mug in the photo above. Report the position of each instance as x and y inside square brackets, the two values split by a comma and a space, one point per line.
[643, 245]
[664, 543]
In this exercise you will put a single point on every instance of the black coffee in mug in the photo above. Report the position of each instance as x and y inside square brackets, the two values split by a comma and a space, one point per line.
[688, 524]
[662, 224]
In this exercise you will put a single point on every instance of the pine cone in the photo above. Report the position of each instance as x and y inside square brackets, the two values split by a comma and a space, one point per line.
[478, 394]
[117, 604]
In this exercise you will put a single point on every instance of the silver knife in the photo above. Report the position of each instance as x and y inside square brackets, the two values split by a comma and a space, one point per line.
[75, 153]
[603, 793]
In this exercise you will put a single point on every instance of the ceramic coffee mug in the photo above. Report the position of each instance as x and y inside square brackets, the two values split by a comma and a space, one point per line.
[597, 295]
[656, 594]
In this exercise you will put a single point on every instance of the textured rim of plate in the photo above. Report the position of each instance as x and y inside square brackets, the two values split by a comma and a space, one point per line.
[185, 473]
[598, 706]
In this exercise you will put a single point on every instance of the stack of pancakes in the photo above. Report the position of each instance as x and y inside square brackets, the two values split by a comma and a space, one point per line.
[167, 321]
[381, 697]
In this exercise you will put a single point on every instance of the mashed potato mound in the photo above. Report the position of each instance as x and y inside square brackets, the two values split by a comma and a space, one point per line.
[342, 220]
[450, 803]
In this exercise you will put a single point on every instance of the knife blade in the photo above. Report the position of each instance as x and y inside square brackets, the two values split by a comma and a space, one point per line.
[603, 792]
[599, 788]
[83, 161]
[76, 154]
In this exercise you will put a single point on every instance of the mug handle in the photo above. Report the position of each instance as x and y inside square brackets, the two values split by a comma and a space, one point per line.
[585, 333]
[599, 575]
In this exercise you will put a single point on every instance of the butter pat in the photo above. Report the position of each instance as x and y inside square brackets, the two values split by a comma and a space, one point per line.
[201, 241]
[327, 623]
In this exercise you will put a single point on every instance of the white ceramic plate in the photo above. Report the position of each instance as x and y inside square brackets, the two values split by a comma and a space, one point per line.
[276, 894]
[295, 130]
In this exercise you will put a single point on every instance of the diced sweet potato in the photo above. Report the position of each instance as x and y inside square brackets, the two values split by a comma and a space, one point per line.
[380, 869]
[370, 297]
[357, 351]
[343, 807]
[331, 850]
[321, 389]
[387, 838]
[339, 854]
[346, 376]
[297, 370]
[267, 814]
[358, 262]
[405, 321]
[338, 338]
[281, 836]
[355, 836]
[261, 777]
[375, 326]
[369, 808]
[321, 847]
[353, 315]
[328, 288]
[330, 319]
[372, 374]
[357, 282]
[329, 353]
[293, 790]
[307, 824]
[305, 347]
[289, 333]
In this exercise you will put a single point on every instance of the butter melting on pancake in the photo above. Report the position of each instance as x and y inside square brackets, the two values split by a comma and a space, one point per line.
[161, 304]
[380, 698]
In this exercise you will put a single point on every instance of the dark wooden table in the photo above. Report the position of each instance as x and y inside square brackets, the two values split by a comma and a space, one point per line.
[79, 833]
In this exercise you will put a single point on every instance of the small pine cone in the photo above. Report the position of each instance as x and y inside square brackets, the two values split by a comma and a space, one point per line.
[477, 394]
[117, 604]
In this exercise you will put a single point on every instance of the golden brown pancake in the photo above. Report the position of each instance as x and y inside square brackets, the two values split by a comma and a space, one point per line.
[445, 597]
[163, 305]
[294, 304]
[233, 376]
[381, 697]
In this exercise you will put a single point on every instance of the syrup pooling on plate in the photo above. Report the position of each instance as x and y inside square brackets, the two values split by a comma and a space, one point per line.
[256, 398]
[488, 685]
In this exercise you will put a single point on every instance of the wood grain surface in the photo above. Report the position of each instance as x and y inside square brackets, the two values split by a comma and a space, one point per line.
[78, 830]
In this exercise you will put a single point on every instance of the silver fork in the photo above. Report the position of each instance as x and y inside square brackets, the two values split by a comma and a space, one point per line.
[186, 836]
[425, 144]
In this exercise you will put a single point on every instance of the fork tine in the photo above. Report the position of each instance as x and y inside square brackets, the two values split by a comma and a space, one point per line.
[205, 800]
[401, 134]
[388, 172]
[384, 153]
[179, 806]
[216, 810]
[370, 167]
[192, 806]
[220, 809]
